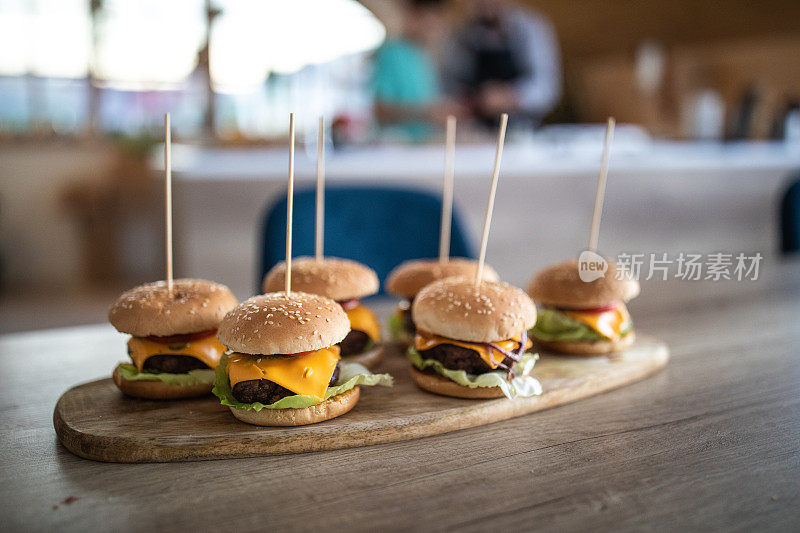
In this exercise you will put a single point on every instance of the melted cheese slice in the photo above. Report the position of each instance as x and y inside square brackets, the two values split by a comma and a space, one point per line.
[426, 341]
[307, 374]
[206, 349]
[362, 319]
[606, 323]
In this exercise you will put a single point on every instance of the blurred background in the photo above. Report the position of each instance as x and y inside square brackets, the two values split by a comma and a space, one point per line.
[706, 96]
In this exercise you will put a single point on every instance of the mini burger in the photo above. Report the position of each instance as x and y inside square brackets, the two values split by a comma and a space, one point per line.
[173, 346]
[582, 318]
[283, 366]
[346, 282]
[471, 342]
[407, 279]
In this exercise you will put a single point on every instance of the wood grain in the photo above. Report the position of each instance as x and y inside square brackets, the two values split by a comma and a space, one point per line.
[96, 422]
[710, 443]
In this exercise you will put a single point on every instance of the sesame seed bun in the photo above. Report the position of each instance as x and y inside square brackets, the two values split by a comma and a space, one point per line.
[445, 387]
[158, 390]
[560, 285]
[336, 406]
[193, 305]
[277, 323]
[587, 348]
[408, 278]
[455, 308]
[334, 278]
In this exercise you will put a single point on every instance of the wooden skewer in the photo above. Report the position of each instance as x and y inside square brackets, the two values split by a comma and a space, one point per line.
[320, 235]
[501, 137]
[601, 186]
[289, 202]
[447, 190]
[168, 197]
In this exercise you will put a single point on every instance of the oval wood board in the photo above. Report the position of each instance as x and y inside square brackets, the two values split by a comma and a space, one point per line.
[97, 422]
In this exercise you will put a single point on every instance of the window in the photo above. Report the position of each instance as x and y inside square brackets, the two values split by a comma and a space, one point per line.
[265, 57]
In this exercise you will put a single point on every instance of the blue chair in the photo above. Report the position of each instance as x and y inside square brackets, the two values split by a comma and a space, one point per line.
[790, 218]
[380, 227]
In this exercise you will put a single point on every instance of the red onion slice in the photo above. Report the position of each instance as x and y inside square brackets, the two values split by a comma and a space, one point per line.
[514, 356]
[347, 305]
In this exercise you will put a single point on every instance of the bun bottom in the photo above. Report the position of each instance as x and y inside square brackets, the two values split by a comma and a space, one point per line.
[441, 385]
[587, 348]
[369, 359]
[336, 406]
[158, 390]
[401, 346]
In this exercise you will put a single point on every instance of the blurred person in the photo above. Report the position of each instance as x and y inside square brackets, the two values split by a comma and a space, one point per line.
[406, 83]
[504, 59]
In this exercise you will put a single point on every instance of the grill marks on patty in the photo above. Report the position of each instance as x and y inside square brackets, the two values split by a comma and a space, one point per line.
[355, 343]
[267, 392]
[172, 364]
[459, 358]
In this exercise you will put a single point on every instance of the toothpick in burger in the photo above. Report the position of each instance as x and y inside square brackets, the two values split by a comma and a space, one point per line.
[346, 282]
[582, 317]
[410, 277]
[173, 345]
[283, 367]
[471, 340]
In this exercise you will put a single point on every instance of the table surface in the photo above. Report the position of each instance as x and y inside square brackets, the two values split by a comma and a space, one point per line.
[713, 441]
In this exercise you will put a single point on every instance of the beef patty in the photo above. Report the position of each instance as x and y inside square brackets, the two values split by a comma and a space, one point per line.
[458, 358]
[355, 343]
[172, 364]
[265, 391]
[408, 320]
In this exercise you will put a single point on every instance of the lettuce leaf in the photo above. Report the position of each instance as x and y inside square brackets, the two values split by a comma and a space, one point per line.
[522, 384]
[350, 375]
[397, 329]
[193, 377]
[552, 325]
[367, 347]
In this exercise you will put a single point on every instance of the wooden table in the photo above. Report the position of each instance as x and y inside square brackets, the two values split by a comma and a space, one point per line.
[711, 442]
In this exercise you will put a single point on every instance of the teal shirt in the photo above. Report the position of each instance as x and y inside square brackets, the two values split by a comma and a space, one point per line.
[404, 75]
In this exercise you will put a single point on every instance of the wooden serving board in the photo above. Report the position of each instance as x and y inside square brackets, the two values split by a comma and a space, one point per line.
[97, 422]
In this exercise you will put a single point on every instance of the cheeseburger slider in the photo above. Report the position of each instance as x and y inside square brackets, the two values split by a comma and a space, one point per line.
[408, 278]
[173, 345]
[471, 341]
[579, 317]
[344, 281]
[283, 367]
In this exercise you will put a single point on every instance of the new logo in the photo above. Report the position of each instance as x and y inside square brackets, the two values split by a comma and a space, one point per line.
[591, 266]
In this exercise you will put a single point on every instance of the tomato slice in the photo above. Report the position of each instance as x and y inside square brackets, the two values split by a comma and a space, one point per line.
[181, 339]
[602, 309]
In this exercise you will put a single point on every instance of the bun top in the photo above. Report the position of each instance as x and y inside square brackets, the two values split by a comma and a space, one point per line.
[334, 278]
[277, 323]
[560, 285]
[194, 305]
[408, 278]
[455, 308]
